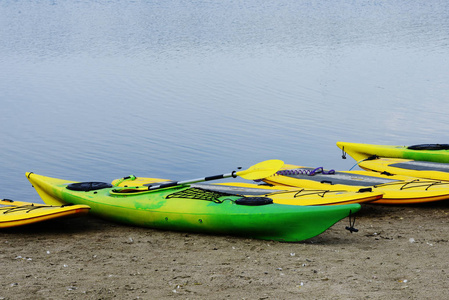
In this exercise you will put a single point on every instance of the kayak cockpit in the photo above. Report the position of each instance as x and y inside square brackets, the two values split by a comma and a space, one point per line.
[88, 186]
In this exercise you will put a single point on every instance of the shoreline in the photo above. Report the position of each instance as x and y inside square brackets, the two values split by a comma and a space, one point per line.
[399, 252]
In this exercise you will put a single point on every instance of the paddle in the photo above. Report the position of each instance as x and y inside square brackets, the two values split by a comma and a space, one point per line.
[258, 171]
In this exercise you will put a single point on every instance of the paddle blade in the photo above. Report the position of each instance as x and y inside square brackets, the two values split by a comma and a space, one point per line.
[261, 170]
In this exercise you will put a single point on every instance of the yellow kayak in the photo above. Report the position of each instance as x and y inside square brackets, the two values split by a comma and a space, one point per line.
[408, 167]
[279, 194]
[15, 213]
[397, 189]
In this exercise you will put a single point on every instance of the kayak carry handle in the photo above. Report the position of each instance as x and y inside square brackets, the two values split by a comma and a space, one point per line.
[326, 181]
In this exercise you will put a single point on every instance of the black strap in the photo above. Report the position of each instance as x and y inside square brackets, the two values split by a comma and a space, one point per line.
[351, 224]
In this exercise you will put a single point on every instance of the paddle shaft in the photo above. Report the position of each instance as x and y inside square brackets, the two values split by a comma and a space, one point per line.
[208, 178]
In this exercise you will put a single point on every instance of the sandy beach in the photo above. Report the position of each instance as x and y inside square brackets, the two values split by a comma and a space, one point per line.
[400, 252]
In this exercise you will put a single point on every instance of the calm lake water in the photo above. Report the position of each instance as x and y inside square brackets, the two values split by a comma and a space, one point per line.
[97, 90]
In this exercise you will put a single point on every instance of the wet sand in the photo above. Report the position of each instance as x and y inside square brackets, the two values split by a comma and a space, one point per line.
[400, 252]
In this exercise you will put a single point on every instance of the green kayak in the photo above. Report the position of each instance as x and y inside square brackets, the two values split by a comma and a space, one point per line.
[421, 152]
[186, 208]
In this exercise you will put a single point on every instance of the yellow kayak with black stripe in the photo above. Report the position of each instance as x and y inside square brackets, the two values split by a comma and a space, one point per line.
[279, 194]
[397, 189]
[17, 213]
[407, 167]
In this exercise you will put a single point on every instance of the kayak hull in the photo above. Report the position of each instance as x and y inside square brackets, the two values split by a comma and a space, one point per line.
[360, 151]
[172, 209]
